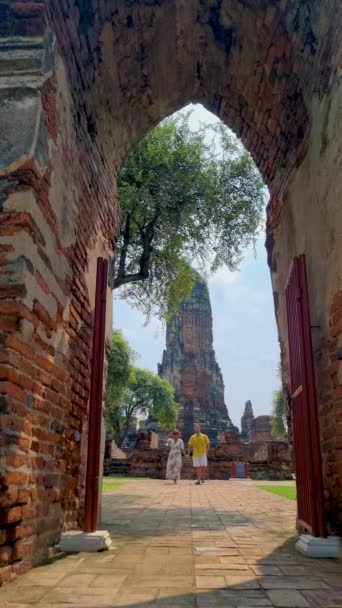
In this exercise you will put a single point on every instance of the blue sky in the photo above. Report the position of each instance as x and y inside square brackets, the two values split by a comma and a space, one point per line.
[245, 338]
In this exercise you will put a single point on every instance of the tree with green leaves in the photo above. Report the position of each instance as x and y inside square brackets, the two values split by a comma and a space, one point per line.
[279, 413]
[133, 393]
[120, 365]
[185, 198]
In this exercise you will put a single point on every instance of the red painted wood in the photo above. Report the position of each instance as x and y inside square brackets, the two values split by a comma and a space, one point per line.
[309, 479]
[95, 402]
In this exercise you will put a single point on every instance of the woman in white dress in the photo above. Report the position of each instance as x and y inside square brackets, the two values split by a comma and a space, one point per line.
[174, 462]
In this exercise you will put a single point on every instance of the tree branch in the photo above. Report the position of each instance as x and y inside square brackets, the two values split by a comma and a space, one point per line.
[146, 237]
[128, 278]
[124, 249]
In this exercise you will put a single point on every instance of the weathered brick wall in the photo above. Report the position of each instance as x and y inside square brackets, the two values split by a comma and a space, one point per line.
[73, 101]
[261, 429]
[189, 363]
[270, 461]
[256, 451]
[57, 215]
[247, 421]
[311, 223]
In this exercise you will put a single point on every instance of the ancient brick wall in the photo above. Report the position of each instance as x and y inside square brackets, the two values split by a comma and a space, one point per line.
[261, 429]
[56, 217]
[80, 83]
[311, 224]
[270, 460]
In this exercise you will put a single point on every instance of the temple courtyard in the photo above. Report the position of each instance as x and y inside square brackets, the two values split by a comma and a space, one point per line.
[226, 543]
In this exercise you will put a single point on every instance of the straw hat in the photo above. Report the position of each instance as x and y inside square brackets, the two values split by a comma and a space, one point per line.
[175, 432]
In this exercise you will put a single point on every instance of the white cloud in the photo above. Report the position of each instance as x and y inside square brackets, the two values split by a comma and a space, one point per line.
[223, 276]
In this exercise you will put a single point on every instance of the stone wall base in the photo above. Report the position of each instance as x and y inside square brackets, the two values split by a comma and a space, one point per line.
[312, 546]
[76, 541]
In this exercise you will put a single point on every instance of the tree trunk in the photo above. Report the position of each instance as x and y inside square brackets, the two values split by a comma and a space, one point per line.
[123, 434]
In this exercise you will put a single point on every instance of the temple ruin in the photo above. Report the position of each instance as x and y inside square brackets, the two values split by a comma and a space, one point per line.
[247, 420]
[189, 364]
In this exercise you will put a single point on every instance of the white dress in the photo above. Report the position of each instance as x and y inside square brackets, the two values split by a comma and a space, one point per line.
[174, 462]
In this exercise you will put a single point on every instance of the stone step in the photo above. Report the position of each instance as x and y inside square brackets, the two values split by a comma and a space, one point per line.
[118, 467]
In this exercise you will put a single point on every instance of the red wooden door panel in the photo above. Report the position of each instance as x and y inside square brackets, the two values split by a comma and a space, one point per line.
[310, 493]
[95, 400]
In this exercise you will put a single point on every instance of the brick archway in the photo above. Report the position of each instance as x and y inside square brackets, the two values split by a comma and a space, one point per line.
[81, 82]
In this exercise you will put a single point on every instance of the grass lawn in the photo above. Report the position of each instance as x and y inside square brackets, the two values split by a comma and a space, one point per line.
[285, 491]
[110, 483]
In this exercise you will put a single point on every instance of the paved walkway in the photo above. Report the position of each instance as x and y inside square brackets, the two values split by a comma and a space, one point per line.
[225, 544]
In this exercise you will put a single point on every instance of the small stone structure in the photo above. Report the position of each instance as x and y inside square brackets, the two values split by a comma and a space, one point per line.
[229, 449]
[112, 450]
[272, 461]
[261, 429]
[268, 458]
[247, 421]
[146, 460]
[259, 436]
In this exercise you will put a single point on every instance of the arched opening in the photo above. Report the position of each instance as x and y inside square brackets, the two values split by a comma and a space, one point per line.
[243, 319]
[90, 79]
[189, 361]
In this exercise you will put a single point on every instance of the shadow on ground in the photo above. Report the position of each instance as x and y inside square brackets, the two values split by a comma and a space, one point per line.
[281, 578]
[228, 545]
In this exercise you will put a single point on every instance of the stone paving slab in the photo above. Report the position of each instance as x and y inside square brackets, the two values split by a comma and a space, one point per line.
[220, 545]
[286, 597]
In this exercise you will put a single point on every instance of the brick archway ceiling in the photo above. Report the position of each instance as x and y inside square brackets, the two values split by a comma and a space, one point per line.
[254, 63]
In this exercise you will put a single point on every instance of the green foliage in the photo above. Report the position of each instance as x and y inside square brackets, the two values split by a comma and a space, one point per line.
[144, 394]
[184, 198]
[278, 415]
[119, 368]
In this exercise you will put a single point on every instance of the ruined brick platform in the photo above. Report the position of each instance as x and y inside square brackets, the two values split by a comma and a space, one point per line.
[224, 544]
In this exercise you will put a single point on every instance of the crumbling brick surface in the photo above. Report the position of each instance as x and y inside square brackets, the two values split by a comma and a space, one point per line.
[88, 81]
[189, 363]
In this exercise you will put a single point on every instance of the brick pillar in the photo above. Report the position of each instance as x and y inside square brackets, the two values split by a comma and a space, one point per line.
[55, 220]
[329, 363]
